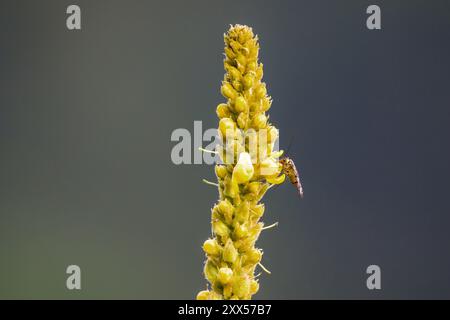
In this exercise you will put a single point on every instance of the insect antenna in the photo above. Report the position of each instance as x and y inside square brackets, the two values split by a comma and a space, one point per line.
[289, 145]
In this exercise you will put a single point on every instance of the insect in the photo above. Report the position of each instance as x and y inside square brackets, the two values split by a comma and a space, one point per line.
[290, 170]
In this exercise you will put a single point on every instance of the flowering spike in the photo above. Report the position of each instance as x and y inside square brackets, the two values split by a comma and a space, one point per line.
[246, 173]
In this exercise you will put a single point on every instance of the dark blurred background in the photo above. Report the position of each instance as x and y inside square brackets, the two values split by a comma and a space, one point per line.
[86, 118]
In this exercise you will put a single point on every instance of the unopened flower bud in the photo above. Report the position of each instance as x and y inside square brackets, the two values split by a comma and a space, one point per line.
[210, 271]
[226, 127]
[231, 188]
[240, 104]
[228, 91]
[229, 53]
[221, 171]
[258, 210]
[260, 120]
[234, 73]
[224, 275]
[242, 120]
[253, 187]
[266, 104]
[255, 230]
[223, 111]
[215, 296]
[261, 91]
[241, 59]
[227, 291]
[203, 295]
[254, 256]
[237, 85]
[249, 80]
[235, 45]
[220, 228]
[226, 209]
[254, 286]
[211, 247]
[252, 66]
[259, 71]
[273, 134]
[230, 253]
[241, 287]
[243, 171]
[242, 212]
[240, 231]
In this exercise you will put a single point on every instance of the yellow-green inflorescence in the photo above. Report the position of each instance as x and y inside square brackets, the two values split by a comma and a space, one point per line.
[248, 140]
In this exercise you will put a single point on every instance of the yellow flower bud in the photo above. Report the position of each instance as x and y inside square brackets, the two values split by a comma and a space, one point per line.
[254, 286]
[240, 104]
[258, 210]
[225, 275]
[259, 75]
[240, 231]
[211, 247]
[252, 66]
[229, 53]
[273, 134]
[203, 295]
[255, 230]
[242, 120]
[254, 50]
[241, 59]
[232, 148]
[221, 171]
[231, 188]
[260, 121]
[227, 291]
[235, 45]
[210, 271]
[215, 214]
[240, 66]
[266, 104]
[253, 187]
[226, 209]
[244, 36]
[249, 80]
[261, 91]
[245, 244]
[253, 256]
[223, 111]
[228, 91]
[241, 288]
[237, 85]
[230, 253]
[243, 212]
[215, 296]
[220, 228]
[234, 73]
[243, 171]
[227, 126]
